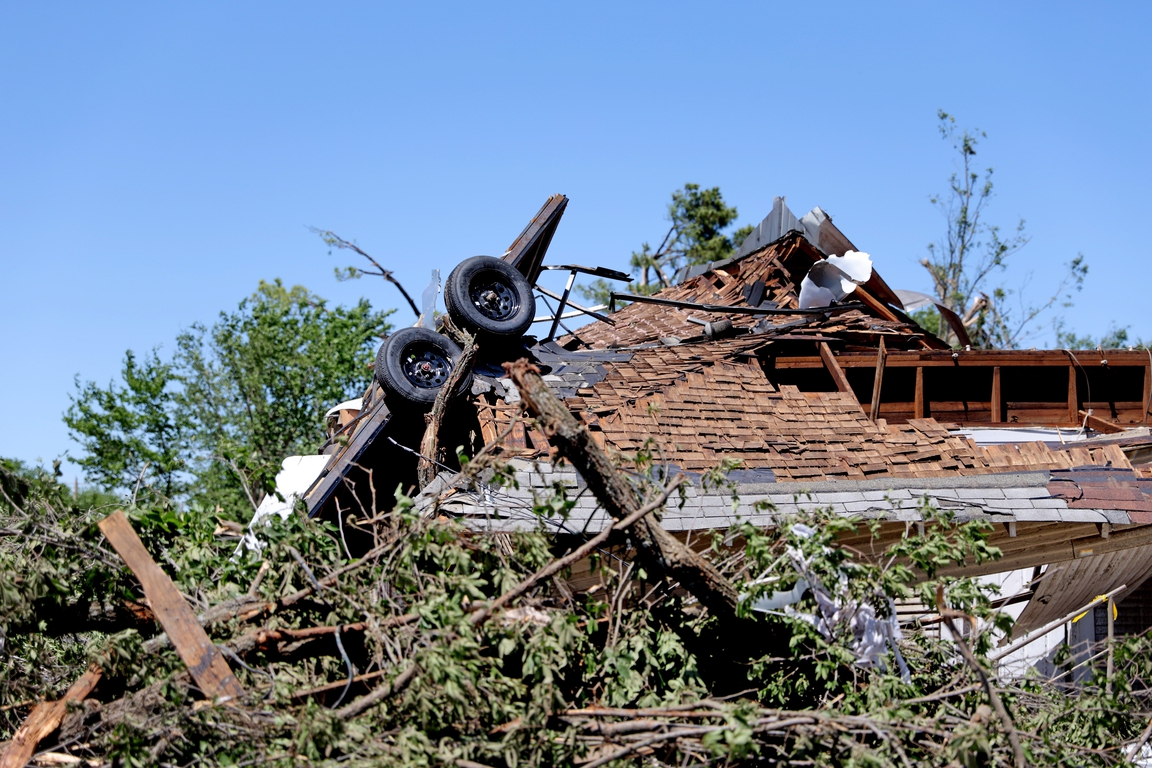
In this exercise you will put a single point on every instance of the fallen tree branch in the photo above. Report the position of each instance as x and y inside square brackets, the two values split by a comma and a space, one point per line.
[947, 615]
[659, 551]
[45, 719]
[430, 445]
[580, 552]
[484, 612]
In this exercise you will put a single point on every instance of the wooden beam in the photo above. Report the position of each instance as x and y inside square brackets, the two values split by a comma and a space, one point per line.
[1115, 541]
[44, 719]
[881, 358]
[1073, 400]
[1147, 392]
[874, 304]
[918, 408]
[1099, 424]
[833, 368]
[998, 415]
[196, 649]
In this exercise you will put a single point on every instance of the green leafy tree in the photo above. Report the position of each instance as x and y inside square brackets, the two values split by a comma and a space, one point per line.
[697, 235]
[135, 433]
[1115, 338]
[972, 250]
[214, 423]
[257, 384]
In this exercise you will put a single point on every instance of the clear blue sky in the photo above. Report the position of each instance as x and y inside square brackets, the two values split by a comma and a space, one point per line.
[159, 159]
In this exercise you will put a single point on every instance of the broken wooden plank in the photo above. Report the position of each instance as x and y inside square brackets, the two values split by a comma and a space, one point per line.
[45, 719]
[976, 358]
[838, 376]
[204, 660]
[1099, 424]
[881, 359]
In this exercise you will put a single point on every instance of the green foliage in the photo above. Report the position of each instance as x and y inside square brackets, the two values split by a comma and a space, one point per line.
[214, 422]
[699, 219]
[1115, 338]
[133, 430]
[511, 690]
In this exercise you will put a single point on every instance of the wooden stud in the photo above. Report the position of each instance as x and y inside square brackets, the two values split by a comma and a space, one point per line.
[1040, 358]
[1147, 392]
[881, 359]
[918, 407]
[834, 369]
[204, 660]
[1073, 399]
[998, 415]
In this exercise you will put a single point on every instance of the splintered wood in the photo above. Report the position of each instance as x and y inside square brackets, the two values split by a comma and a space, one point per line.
[45, 719]
[205, 662]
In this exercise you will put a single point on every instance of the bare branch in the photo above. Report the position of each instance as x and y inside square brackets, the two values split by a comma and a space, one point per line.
[335, 241]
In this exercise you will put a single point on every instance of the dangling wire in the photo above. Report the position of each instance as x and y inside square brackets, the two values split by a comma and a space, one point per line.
[1087, 410]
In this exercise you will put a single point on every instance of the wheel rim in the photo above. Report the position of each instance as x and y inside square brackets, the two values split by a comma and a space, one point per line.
[494, 297]
[425, 366]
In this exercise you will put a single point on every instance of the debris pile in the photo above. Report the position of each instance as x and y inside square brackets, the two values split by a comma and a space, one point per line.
[652, 540]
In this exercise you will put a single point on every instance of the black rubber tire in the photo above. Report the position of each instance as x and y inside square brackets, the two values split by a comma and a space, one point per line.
[510, 304]
[413, 363]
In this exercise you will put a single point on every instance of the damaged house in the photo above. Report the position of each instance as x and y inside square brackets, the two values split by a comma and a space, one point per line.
[796, 358]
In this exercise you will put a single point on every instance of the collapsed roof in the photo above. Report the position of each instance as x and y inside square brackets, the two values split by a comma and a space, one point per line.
[850, 406]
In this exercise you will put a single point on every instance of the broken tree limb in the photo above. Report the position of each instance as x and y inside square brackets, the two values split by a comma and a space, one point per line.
[484, 612]
[659, 551]
[947, 614]
[335, 241]
[580, 552]
[989, 690]
[45, 719]
[430, 445]
[207, 665]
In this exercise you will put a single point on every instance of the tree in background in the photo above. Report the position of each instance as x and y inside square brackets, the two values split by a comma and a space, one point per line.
[235, 399]
[699, 218]
[972, 250]
[135, 431]
[1115, 338]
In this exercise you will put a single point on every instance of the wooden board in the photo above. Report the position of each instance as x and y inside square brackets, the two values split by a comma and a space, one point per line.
[878, 381]
[205, 662]
[834, 369]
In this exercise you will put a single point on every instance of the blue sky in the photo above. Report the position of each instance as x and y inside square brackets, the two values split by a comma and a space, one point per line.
[158, 160]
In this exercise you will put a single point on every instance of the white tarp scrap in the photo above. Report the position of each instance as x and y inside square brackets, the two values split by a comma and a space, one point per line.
[296, 476]
[837, 611]
[834, 278]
